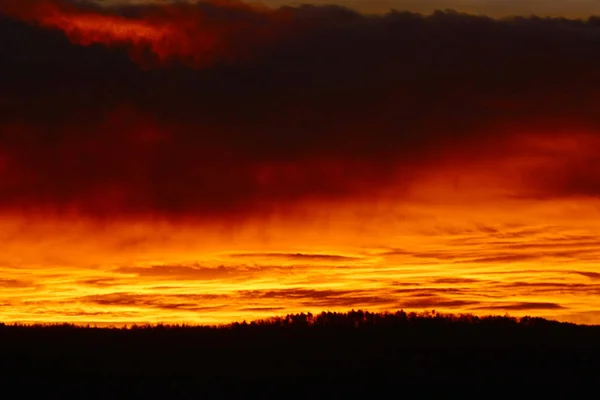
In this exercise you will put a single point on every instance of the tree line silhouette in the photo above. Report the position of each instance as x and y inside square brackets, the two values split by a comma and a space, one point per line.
[343, 352]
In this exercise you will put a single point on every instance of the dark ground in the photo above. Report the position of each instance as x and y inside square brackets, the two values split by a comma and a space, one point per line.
[337, 355]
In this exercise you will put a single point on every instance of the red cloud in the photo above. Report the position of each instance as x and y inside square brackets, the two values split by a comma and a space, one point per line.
[196, 34]
[348, 108]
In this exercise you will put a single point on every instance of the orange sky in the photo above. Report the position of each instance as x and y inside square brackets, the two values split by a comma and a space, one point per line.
[454, 245]
[278, 169]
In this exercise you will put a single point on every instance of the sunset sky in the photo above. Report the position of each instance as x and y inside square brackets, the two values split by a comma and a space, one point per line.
[222, 161]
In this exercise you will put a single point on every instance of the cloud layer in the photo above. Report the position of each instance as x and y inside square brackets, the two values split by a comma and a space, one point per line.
[339, 106]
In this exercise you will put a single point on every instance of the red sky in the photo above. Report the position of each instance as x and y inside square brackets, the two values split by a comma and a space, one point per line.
[224, 161]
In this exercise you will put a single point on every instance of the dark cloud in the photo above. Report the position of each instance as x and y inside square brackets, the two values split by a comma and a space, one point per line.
[98, 282]
[584, 243]
[196, 303]
[422, 292]
[503, 252]
[349, 302]
[320, 298]
[183, 302]
[591, 275]
[515, 232]
[195, 34]
[295, 104]
[505, 258]
[262, 309]
[165, 287]
[16, 284]
[190, 307]
[455, 281]
[524, 306]
[555, 285]
[294, 294]
[448, 255]
[298, 257]
[410, 298]
[436, 301]
[548, 288]
[83, 313]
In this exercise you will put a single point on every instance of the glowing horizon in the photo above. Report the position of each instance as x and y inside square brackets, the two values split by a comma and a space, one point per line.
[148, 272]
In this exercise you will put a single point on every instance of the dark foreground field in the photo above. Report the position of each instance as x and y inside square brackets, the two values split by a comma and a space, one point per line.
[300, 355]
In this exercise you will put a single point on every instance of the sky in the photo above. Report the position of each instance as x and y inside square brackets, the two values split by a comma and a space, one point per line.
[222, 161]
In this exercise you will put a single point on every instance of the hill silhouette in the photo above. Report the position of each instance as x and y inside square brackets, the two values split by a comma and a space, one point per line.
[300, 354]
